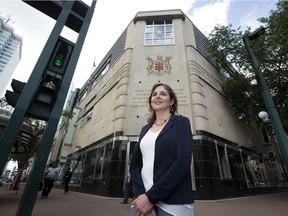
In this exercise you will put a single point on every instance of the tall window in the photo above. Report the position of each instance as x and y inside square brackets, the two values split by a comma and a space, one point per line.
[159, 33]
[87, 117]
[89, 166]
[224, 162]
[77, 164]
[99, 162]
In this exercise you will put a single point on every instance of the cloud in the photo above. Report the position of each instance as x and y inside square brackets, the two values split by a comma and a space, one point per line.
[250, 19]
[254, 13]
[212, 13]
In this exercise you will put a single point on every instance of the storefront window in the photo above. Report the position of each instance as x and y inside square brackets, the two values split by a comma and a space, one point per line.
[205, 161]
[236, 165]
[89, 165]
[107, 161]
[224, 162]
[251, 166]
[76, 166]
[99, 162]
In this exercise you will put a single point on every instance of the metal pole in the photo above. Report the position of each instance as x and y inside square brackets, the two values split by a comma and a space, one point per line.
[282, 140]
[30, 192]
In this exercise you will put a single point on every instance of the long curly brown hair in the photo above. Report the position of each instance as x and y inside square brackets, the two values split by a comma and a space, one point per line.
[173, 108]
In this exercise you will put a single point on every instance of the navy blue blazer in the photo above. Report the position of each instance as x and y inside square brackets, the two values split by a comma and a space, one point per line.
[172, 174]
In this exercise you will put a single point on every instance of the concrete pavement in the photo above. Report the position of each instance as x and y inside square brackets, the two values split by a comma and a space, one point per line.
[80, 204]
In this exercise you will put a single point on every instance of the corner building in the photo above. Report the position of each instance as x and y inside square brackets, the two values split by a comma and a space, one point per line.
[165, 46]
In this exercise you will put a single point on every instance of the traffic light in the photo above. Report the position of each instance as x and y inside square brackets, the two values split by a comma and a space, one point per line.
[53, 74]
[271, 156]
[12, 97]
[60, 56]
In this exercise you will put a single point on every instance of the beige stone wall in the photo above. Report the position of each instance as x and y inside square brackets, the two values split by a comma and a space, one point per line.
[211, 111]
[109, 100]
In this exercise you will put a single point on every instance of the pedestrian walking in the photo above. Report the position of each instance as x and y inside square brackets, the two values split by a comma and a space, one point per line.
[127, 186]
[66, 179]
[50, 176]
[16, 183]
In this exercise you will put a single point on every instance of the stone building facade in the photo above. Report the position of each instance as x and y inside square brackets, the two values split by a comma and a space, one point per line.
[165, 46]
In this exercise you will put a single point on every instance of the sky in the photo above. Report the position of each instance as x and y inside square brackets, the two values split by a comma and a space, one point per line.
[110, 19]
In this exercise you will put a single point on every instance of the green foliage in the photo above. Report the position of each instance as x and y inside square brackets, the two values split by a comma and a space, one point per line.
[227, 48]
[244, 95]
[38, 127]
[67, 114]
[3, 102]
[224, 46]
[5, 106]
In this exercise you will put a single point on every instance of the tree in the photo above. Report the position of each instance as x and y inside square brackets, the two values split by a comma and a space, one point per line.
[227, 48]
[67, 114]
[3, 102]
[5, 105]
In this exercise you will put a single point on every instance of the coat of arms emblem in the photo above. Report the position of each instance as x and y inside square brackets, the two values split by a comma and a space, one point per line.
[159, 66]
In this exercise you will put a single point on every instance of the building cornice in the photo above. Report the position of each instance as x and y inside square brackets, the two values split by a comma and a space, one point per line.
[159, 15]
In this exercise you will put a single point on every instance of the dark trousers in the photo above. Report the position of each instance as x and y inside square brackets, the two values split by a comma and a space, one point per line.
[48, 184]
[127, 190]
[66, 186]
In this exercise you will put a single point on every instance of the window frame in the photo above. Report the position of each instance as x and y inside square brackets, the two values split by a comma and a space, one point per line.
[159, 33]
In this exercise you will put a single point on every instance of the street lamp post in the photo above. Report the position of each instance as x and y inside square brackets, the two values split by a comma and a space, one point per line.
[282, 140]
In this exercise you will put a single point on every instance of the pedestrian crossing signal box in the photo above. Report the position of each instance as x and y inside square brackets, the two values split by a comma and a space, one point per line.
[48, 89]
[51, 81]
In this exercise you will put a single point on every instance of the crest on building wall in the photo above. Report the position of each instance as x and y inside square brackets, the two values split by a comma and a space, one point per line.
[159, 66]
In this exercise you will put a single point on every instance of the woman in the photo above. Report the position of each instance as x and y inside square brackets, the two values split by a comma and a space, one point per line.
[160, 165]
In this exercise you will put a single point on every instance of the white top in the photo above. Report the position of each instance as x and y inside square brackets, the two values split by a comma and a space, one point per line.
[52, 173]
[147, 146]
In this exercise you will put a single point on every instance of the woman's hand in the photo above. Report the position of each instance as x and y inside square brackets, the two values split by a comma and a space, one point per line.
[152, 213]
[143, 206]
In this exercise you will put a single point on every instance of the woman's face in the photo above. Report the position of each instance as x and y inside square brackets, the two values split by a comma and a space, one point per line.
[160, 100]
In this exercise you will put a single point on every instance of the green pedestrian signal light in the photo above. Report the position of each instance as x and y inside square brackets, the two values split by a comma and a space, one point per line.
[61, 55]
[58, 61]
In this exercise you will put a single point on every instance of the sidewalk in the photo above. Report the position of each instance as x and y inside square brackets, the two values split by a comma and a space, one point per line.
[79, 204]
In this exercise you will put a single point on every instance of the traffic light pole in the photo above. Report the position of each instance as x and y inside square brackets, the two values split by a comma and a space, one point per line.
[12, 128]
[282, 140]
[25, 105]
